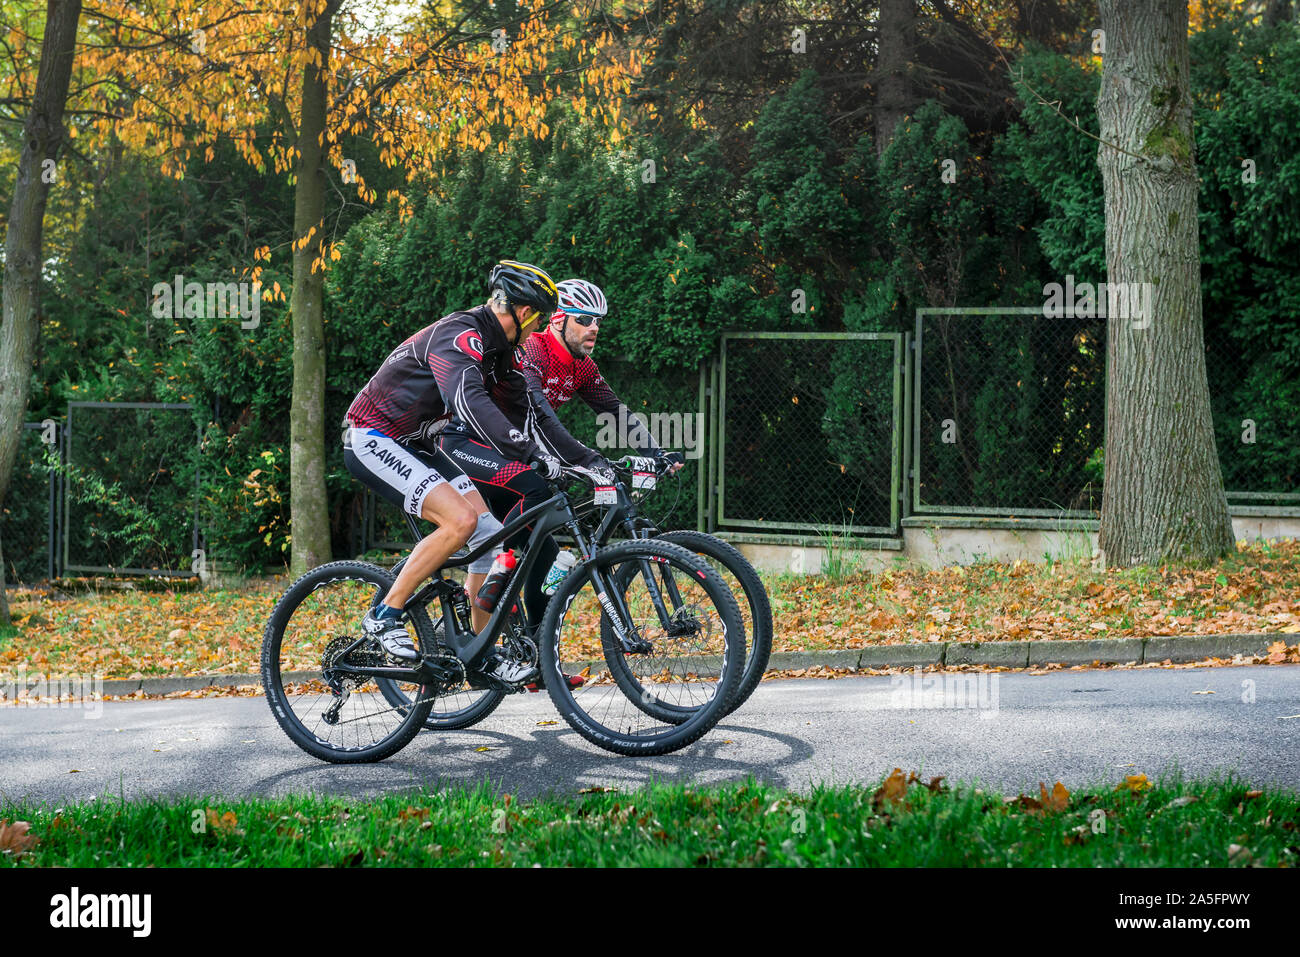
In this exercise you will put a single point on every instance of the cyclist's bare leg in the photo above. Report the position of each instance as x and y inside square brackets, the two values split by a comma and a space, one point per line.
[456, 516]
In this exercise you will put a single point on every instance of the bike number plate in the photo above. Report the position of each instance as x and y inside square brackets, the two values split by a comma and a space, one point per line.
[605, 495]
[643, 479]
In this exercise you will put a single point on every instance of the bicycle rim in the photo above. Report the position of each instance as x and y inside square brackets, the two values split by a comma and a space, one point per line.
[453, 708]
[691, 661]
[314, 628]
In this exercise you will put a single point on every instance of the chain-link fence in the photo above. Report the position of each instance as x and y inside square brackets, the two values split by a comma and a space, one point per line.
[809, 432]
[130, 502]
[1255, 401]
[27, 527]
[1009, 412]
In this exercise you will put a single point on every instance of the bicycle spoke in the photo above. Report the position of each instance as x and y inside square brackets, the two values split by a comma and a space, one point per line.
[680, 660]
[315, 629]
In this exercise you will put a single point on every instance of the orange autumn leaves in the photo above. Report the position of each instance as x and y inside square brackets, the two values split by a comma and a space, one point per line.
[173, 80]
[134, 634]
[1257, 590]
[893, 793]
[121, 634]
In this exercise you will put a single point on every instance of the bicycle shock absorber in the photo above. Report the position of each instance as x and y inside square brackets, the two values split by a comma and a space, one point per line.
[460, 603]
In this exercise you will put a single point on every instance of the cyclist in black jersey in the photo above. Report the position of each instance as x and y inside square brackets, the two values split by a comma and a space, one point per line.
[464, 365]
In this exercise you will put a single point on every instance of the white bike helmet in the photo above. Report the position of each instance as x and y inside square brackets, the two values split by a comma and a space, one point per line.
[577, 297]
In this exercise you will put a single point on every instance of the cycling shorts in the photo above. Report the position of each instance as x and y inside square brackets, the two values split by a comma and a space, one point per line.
[399, 473]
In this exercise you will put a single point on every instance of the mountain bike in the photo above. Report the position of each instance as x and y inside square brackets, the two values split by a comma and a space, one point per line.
[465, 706]
[340, 698]
[740, 576]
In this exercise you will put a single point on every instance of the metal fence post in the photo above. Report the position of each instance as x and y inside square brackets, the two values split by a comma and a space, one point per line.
[909, 364]
[701, 473]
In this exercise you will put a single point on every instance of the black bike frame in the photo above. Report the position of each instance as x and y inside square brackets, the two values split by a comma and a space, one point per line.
[471, 649]
[624, 512]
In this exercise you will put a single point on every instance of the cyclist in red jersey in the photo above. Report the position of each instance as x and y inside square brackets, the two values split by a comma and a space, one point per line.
[558, 363]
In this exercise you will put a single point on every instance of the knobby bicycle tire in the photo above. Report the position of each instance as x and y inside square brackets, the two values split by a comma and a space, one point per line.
[282, 708]
[699, 720]
[758, 637]
[758, 651]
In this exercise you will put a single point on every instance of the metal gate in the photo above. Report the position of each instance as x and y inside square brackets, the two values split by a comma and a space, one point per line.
[805, 433]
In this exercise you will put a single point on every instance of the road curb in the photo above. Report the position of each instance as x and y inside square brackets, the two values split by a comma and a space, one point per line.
[1118, 651]
[1196, 647]
[1006, 654]
[799, 660]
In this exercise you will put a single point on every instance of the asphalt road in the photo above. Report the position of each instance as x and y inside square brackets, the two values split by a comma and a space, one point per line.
[1015, 730]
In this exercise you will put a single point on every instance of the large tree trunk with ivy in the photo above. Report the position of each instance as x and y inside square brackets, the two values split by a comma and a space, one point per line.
[42, 136]
[307, 503]
[1163, 493]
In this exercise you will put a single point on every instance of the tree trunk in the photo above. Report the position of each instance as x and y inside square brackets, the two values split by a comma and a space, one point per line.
[895, 45]
[1278, 11]
[42, 137]
[1163, 493]
[309, 516]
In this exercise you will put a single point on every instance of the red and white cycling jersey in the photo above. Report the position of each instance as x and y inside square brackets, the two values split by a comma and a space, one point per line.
[553, 370]
[550, 367]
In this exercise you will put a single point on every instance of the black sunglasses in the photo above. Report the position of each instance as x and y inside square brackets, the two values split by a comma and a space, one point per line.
[585, 321]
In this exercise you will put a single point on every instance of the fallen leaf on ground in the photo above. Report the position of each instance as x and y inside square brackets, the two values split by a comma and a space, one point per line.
[15, 838]
[1136, 783]
[893, 789]
[223, 824]
[1057, 800]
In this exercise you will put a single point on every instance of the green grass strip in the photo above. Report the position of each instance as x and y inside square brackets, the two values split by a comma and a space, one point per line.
[1172, 824]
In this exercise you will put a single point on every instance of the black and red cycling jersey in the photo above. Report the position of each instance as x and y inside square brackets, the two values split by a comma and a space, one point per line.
[462, 367]
[553, 370]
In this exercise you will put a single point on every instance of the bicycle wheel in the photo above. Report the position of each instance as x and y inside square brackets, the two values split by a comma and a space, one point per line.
[315, 626]
[692, 660]
[454, 708]
[755, 613]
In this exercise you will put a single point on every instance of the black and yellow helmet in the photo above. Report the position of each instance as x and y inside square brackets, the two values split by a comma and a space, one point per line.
[525, 285]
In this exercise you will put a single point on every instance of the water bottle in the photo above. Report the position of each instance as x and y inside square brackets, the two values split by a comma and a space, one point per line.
[502, 567]
[564, 563]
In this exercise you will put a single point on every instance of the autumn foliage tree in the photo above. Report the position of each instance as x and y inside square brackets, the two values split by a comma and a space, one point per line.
[178, 76]
[42, 141]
